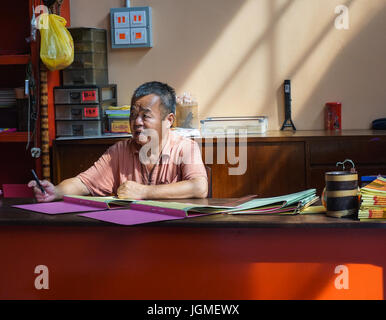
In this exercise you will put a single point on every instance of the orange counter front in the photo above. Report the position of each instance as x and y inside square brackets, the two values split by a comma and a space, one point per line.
[213, 257]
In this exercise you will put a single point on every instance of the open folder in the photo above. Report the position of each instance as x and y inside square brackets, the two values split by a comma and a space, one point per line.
[152, 211]
[288, 204]
[129, 212]
[71, 204]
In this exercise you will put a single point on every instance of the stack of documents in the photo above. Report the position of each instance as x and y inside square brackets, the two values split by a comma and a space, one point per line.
[288, 204]
[373, 201]
[131, 212]
[117, 113]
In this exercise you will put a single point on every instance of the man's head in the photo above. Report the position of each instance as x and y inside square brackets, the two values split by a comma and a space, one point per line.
[153, 107]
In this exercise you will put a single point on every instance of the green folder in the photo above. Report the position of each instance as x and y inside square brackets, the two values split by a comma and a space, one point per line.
[277, 204]
[286, 204]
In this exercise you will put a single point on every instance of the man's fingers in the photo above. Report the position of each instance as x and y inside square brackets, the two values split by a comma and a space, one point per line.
[31, 184]
[44, 197]
[41, 199]
[121, 194]
[36, 189]
[39, 195]
[45, 183]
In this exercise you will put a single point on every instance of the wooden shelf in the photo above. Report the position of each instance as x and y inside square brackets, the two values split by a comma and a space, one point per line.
[14, 59]
[13, 136]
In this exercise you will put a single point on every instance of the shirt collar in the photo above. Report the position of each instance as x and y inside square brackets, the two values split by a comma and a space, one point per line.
[166, 151]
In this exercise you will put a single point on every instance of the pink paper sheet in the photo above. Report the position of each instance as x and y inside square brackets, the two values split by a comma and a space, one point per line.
[128, 217]
[57, 207]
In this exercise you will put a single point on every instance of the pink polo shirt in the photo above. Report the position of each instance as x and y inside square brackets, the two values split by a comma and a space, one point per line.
[180, 160]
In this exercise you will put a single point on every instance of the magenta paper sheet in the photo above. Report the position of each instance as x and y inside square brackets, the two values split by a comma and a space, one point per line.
[128, 217]
[57, 207]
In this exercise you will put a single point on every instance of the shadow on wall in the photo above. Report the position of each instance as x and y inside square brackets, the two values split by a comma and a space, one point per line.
[267, 36]
[295, 69]
[360, 77]
[182, 40]
[185, 41]
[355, 68]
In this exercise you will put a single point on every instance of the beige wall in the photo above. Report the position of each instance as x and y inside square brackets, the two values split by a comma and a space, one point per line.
[234, 55]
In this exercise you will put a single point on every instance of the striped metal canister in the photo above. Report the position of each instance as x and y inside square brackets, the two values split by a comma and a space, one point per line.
[341, 193]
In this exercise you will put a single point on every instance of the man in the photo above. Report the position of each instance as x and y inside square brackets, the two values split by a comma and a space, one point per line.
[154, 164]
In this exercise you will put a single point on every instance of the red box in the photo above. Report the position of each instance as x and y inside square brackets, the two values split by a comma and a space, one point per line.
[89, 95]
[333, 116]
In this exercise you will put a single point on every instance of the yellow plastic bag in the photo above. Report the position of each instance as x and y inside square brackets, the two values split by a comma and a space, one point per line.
[57, 46]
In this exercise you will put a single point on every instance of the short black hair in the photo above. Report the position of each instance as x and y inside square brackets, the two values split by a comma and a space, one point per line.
[165, 92]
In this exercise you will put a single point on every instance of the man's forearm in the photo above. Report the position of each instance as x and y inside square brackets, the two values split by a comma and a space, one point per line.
[71, 186]
[195, 188]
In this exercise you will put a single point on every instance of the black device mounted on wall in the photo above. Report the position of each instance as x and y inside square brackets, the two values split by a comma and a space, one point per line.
[288, 123]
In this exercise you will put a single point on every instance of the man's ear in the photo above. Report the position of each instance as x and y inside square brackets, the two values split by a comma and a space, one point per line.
[170, 120]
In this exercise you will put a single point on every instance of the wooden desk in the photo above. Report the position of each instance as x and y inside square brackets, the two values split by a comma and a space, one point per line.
[213, 257]
[278, 162]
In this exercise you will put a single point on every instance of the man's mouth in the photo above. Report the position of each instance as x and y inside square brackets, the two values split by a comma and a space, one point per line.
[140, 136]
[138, 132]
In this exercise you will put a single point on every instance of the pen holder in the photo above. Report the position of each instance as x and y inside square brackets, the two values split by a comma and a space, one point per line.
[341, 192]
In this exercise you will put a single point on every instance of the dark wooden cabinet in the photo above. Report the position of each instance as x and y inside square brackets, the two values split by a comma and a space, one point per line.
[367, 151]
[71, 157]
[271, 168]
[15, 54]
[276, 163]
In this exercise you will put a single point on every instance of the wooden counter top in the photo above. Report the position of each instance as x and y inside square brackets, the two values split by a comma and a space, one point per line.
[274, 135]
[10, 216]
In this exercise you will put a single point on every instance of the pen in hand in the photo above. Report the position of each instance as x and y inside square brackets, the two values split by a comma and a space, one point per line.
[37, 181]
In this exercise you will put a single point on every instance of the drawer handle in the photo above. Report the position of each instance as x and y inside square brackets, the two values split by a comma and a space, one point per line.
[76, 112]
[77, 130]
[75, 95]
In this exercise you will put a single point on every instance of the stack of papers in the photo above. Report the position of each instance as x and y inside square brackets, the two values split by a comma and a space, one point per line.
[373, 201]
[117, 113]
[288, 204]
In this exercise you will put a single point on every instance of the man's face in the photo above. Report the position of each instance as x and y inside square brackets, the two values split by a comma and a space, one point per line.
[146, 113]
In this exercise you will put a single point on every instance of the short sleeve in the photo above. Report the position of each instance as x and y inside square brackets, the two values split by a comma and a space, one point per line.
[191, 164]
[101, 177]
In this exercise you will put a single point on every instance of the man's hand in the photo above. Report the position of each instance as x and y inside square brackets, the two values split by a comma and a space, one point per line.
[49, 195]
[194, 188]
[72, 186]
[132, 190]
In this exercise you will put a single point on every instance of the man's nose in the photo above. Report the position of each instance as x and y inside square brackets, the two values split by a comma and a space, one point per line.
[138, 121]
